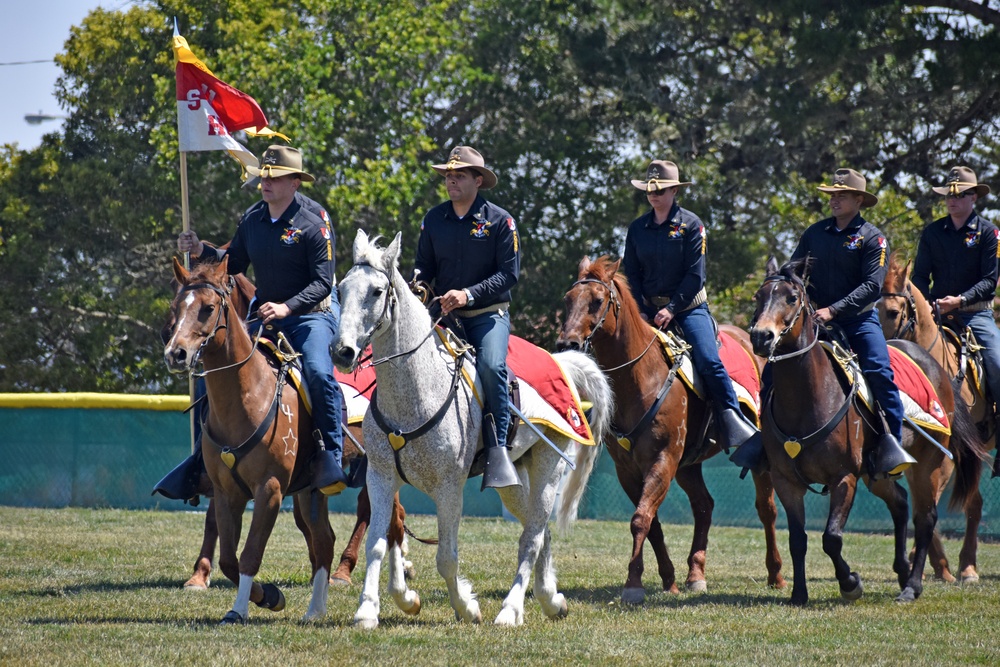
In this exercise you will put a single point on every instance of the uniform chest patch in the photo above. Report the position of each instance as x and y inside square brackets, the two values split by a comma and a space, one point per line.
[676, 230]
[480, 229]
[971, 239]
[854, 241]
[291, 236]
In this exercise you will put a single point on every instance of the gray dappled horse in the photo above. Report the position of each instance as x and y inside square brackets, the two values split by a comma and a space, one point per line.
[377, 307]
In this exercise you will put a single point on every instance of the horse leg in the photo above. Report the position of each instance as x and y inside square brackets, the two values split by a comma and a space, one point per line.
[449, 513]
[229, 520]
[767, 512]
[841, 501]
[380, 490]
[303, 525]
[792, 497]
[267, 502]
[647, 496]
[937, 557]
[397, 535]
[970, 544]
[692, 481]
[895, 498]
[321, 538]
[926, 492]
[202, 577]
[407, 600]
[349, 559]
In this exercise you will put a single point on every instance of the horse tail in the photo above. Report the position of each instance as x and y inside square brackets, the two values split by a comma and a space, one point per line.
[970, 453]
[592, 385]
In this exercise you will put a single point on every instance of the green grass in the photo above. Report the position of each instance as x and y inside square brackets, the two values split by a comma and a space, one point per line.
[103, 587]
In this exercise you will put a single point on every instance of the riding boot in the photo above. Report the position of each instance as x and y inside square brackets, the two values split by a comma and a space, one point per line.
[500, 470]
[181, 483]
[733, 430]
[750, 455]
[327, 471]
[890, 459]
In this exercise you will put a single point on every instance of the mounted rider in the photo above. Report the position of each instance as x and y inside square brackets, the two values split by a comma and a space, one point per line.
[664, 262]
[288, 239]
[469, 250]
[959, 253]
[848, 268]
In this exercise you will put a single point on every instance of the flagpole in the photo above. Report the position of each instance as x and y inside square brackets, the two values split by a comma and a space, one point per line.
[186, 227]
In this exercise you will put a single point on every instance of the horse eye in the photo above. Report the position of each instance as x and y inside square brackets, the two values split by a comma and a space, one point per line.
[377, 291]
[790, 299]
[595, 305]
[892, 314]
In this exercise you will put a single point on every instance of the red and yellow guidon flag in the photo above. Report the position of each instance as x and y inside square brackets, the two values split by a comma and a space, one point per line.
[209, 110]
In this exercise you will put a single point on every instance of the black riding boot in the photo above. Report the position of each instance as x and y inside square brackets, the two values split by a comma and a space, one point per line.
[181, 483]
[733, 430]
[327, 471]
[890, 459]
[500, 470]
[750, 455]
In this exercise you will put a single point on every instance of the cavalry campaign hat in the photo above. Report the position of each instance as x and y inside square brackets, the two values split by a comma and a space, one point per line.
[466, 157]
[660, 174]
[848, 180]
[279, 161]
[961, 179]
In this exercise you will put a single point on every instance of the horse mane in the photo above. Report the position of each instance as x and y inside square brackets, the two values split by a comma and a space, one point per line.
[372, 254]
[794, 269]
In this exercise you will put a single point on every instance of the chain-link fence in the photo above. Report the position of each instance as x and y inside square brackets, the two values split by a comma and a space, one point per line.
[109, 451]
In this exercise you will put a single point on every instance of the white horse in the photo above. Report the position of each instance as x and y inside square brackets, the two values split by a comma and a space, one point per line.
[378, 307]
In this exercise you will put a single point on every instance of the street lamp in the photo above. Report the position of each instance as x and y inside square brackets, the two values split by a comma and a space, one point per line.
[39, 118]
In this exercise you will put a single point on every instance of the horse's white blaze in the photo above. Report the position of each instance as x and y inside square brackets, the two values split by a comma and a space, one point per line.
[410, 390]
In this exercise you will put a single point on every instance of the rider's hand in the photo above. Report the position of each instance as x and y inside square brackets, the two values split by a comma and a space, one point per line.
[663, 317]
[453, 299]
[949, 303]
[823, 315]
[273, 311]
[188, 242]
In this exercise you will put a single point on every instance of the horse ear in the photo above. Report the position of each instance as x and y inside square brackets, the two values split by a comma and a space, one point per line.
[180, 273]
[771, 266]
[390, 258]
[360, 245]
[906, 270]
[805, 268]
[583, 267]
[613, 269]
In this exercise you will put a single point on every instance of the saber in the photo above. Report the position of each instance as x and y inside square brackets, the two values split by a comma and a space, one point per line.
[350, 435]
[538, 432]
[928, 437]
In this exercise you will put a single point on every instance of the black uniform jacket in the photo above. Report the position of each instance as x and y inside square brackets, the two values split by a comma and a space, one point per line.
[292, 257]
[848, 266]
[665, 260]
[479, 252]
[963, 261]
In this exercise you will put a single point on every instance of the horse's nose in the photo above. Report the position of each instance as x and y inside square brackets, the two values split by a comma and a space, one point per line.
[175, 357]
[344, 356]
[761, 340]
[564, 344]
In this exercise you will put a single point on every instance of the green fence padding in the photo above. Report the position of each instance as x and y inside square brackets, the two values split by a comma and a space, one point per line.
[112, 457]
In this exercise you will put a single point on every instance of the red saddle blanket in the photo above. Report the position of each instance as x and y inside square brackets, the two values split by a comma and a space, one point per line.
[362, 381]
[912, 382]
[740, 366]
[531, 364]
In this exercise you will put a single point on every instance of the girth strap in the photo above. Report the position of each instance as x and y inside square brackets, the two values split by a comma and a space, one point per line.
[397, 438]
[626, 440]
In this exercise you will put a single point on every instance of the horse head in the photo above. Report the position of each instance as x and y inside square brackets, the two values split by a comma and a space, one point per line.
[592, 304]
[782, 308]
[367, 296]
[199, 314]
[896, 307]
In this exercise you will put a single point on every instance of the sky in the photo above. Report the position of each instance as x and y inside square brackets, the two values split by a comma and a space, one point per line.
[36, 30]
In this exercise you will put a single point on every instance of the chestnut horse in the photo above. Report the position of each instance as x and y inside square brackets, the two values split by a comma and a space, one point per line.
[251, 438]
[601, 312]
[202, 576]
[905, 313]
[809, 400]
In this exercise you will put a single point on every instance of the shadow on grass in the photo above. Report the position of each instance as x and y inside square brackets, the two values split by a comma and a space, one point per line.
[98, 587]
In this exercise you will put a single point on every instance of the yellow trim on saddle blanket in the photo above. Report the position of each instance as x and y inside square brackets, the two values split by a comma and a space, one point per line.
[526, 391]
[910, 407]
[673, 344]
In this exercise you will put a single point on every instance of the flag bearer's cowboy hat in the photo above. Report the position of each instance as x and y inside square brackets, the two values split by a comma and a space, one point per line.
[278, 161]
[848, 180]
[660, 174]
[466, 157]
[961, 179]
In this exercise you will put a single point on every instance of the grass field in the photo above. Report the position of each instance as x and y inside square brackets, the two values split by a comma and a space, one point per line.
[103, 587]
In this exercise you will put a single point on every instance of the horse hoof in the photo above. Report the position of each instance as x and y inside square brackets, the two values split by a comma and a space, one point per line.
[697, 586]
[856, 592]
[192, 585]
[633, 595]
[415, 608]
[366, 623]
[508, 617]
[970, 578]
[907, 595]
[273, 598]
[337, 581]
[233, 617]
[562, 612]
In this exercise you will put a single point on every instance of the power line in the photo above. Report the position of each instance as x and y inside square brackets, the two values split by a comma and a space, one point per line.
[28, 62]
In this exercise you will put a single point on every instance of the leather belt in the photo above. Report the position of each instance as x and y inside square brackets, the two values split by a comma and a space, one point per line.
[986, 304]
[323, 306]
[496, 307]
[699, 298]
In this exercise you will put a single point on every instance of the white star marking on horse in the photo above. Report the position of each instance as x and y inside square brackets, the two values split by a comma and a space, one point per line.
[291, 443]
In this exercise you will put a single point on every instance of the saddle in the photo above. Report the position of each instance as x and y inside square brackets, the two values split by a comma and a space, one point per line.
[970, 357]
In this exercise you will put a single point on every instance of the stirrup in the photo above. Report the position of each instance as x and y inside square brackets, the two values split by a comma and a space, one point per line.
[890, 459]
[328, 475]
[733, 430]
[500, 471]
[750, 455]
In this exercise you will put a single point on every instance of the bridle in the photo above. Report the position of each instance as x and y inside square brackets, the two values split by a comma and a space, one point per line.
[907, 325]
[221, 322]
[803, 304]
[611, 302]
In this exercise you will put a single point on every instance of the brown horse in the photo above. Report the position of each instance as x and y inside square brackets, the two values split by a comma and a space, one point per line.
[601, 312]
[202, 575]
[818, 413]
[905, 313]
[250, 440]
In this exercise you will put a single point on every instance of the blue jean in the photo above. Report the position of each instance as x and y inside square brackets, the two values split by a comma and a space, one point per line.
[985, 328]
[489, 333]
[699, 332]
[313, 335]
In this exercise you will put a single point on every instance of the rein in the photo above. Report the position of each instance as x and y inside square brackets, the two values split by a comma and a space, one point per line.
[613, 301]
